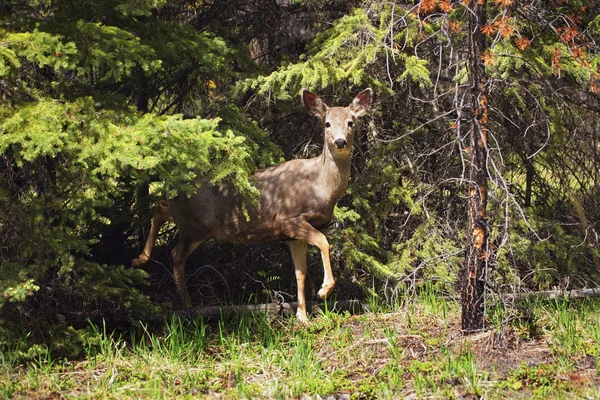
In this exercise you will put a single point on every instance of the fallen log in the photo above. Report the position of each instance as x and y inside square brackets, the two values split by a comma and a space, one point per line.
[552, 294]
[354, 306]
[272, 309]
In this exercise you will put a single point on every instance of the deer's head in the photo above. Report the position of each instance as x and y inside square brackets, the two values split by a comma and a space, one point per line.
[338, 122]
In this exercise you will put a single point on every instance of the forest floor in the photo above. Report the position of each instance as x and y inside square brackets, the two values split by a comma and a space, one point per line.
[417, 351]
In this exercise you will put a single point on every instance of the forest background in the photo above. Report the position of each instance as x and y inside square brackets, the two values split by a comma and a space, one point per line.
[103, 102]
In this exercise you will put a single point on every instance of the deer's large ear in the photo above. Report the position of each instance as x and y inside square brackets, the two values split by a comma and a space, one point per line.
[362, 102]
[314, 104]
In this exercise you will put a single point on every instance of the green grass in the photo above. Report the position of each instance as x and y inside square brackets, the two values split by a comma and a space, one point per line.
[414, 350]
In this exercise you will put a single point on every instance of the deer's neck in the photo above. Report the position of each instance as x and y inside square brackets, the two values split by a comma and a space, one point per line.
[335, 173]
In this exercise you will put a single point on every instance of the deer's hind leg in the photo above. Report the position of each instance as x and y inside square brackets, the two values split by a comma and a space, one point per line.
[180, 254]
[161, 215]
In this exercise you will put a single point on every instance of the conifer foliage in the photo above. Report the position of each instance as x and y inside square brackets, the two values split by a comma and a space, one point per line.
[93, 95]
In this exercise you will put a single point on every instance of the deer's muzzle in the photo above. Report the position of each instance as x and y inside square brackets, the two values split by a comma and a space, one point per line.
[340, 143]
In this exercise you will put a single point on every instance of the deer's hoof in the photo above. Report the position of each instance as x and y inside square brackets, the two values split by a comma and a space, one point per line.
[302, 318]
[325, 290]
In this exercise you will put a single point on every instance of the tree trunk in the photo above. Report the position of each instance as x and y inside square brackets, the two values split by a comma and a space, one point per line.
[476, 259]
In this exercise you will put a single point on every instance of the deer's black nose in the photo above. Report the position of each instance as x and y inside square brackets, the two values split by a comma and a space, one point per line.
[340, 143]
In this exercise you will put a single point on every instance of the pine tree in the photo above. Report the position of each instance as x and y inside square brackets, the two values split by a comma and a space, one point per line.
[93, 95]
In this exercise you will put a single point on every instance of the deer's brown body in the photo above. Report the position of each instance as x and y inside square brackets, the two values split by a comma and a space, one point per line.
[297, 198]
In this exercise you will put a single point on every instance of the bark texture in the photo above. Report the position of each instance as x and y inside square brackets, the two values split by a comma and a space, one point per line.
[476, 259]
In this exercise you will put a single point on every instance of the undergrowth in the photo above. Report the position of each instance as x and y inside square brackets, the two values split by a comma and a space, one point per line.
[410, 350]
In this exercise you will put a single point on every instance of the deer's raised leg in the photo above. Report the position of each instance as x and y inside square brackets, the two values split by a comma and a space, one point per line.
[299, 249]
[180, 254]
[319, 240]
[161, 215]
[302, 230]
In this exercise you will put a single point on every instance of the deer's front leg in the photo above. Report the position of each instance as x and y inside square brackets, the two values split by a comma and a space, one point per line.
[304, 231]
[299, 250]
[328, 281]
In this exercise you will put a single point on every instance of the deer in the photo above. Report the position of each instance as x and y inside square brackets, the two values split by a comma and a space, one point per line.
[297, 200]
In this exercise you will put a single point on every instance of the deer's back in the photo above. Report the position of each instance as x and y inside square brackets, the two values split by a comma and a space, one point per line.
[288, 192]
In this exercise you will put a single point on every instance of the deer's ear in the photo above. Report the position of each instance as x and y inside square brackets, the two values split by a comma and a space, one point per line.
[314, 104]
[362, 102]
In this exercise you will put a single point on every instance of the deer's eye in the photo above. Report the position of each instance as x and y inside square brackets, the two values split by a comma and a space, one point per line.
[350, 123]
[327, 125]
